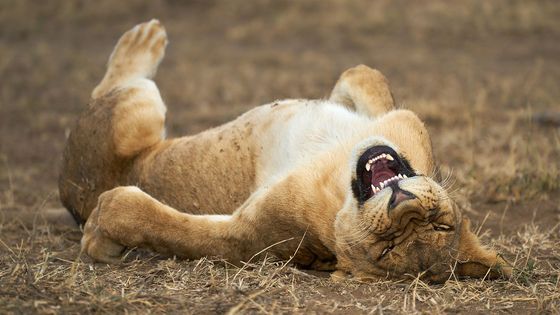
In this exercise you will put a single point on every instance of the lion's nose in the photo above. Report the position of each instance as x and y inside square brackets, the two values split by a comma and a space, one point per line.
[399, 195]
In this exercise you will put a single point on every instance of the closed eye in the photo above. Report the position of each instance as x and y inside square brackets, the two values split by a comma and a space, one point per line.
[442, 227]
[386, 251]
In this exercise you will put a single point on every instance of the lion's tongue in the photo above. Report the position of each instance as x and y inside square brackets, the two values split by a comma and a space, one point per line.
[381, 172]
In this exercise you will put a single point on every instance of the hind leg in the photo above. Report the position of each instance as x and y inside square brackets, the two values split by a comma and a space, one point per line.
[139, 114]
[125, 117]
[365, 90]
[138, 117]
[136, 55]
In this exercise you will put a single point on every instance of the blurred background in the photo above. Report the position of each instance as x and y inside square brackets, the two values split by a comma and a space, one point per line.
[483, 75]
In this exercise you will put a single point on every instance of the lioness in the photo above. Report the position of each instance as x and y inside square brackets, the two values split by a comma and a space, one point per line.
[341, 184]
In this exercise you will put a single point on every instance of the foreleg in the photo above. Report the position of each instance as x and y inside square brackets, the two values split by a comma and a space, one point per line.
[128, 217]
[364, 90]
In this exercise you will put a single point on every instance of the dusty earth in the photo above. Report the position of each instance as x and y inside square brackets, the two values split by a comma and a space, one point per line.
[483, 74]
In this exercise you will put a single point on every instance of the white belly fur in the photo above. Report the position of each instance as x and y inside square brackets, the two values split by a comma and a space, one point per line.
[315, 127]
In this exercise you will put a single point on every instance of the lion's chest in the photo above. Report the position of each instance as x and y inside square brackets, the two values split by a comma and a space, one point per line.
[299, 134]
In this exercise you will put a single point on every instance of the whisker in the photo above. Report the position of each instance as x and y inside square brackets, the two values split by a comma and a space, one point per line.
[356, 236]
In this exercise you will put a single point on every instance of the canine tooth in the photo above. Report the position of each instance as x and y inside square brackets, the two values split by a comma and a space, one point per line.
[368, 167]
[389, 157]
[373, 188]
[405, 176]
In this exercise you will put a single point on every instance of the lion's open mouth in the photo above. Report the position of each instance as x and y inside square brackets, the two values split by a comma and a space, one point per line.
[380, 167]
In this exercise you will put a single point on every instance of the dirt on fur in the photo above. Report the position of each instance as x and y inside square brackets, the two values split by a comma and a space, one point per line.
[483, 75]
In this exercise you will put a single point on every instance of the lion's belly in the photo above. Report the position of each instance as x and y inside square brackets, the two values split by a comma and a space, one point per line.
[215, 171]
[209, 173]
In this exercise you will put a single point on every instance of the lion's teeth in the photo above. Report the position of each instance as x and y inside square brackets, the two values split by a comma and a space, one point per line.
[405, 176]
[389, 157]
[368, 166]
[382, 184]
[400, 176]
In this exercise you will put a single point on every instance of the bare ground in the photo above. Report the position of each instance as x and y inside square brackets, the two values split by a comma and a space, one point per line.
[481, 74]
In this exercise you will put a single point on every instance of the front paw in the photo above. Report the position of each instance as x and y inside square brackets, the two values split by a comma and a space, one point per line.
[107, 230]
[96, 244]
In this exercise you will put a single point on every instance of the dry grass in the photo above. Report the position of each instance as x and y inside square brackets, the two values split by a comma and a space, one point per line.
[42, 273]
[476, 71]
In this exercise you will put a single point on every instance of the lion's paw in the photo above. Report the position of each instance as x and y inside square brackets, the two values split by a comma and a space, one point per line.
[96, 244]
[139, 51]
[136, 55]
[105, 231]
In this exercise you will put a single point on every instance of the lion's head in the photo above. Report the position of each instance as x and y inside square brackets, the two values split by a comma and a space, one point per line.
[400, 223]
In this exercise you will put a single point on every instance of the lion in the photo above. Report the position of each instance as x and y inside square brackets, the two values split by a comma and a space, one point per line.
[343, 185]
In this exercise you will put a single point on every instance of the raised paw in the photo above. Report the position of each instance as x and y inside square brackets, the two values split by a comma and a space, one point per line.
[139, 51]
[365, 90]
[136, 55]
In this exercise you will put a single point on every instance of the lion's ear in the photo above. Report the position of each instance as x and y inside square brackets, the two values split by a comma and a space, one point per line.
[476, 261]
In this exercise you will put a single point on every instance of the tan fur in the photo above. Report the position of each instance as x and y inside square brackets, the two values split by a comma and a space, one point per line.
[277, 179]
[140, 116]
[372, 98]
